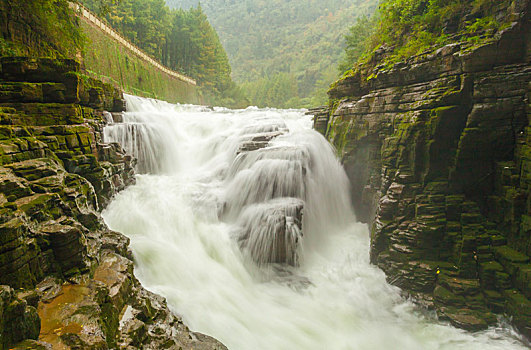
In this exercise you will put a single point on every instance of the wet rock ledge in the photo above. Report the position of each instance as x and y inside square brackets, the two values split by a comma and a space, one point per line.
[66, 280]
[438, 152]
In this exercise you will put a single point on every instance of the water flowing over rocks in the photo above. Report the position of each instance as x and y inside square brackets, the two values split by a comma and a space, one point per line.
[251, 238]
[266, 193]
[66, 279]
[437, 152]
[265, 182]
[271, 232]
[246, 229]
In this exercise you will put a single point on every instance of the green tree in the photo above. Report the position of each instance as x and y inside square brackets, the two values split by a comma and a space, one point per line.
[357, 41]
[183, 40]
[411, 27]
[263, 39]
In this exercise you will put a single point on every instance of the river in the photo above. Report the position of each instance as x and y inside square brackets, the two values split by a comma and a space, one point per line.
[215, 188]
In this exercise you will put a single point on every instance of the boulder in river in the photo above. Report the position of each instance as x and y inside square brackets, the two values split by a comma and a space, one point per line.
[271, 232]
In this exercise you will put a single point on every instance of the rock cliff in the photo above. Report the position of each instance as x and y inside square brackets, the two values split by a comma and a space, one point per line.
[66, 280]
[438, 151]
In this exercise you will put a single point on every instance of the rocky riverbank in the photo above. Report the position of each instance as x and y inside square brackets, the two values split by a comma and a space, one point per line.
[67, 280]
[438, 151]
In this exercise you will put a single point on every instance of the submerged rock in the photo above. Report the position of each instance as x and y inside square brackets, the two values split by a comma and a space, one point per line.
[253, 142]
[271, 232]
[269, 210]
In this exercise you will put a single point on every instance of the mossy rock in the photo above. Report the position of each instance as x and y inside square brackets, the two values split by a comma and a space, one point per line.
[503, 280]
[491, 267]
[497, 239]
[444, 297]
[35, 70]
[30, 344]
[465, 318]
[520, 308]
[32, 92]
[508, 256]
[35, 169]
[471, 218]
[37, 205]
[45, 114]
[18, 321]
[12, 230]
[495, 300]
[523, 279]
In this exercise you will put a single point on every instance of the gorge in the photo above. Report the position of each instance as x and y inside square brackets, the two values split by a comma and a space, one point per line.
[396, 217]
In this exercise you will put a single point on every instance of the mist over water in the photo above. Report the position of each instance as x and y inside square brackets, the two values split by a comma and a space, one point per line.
[200, 195]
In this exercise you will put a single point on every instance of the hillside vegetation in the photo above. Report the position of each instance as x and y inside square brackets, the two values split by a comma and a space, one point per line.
[406, 28]
[121, 67]
[39, 28]
[183, 40]
[285, 53]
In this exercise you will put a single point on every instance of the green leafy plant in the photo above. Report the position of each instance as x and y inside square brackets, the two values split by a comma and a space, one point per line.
[408, 28]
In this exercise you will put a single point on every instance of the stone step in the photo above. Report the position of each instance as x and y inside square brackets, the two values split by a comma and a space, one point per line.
[54, 80]
[47, 114]
[36, 70]
[36, 92]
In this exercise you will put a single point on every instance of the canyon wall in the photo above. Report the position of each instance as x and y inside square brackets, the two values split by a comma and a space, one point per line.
[66, 280]
[438, 151]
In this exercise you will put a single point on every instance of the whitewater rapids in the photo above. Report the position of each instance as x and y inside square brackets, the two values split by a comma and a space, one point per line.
[195, 191]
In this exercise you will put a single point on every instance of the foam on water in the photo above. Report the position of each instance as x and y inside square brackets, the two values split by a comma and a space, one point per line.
[186, 214]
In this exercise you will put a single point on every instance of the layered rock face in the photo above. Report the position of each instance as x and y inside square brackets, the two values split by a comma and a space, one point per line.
[438, 151]
[67, 280]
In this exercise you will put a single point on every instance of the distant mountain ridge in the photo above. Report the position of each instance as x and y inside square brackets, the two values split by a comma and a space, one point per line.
[301, 38]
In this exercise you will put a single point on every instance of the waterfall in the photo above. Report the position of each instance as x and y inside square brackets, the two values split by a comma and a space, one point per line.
[242, 220]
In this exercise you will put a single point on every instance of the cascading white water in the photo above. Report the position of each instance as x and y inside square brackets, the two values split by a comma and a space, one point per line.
[219, 178]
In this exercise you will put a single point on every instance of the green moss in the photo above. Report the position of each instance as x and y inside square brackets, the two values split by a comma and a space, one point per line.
[509, 255]
[37, 204]
[491, 267]
[517, 303]
[122, 68]
[445, 297]
[54, 28]
[6, 132]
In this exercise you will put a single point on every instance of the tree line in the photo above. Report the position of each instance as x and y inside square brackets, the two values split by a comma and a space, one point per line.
[268, 41]
[405, 28]
[182, 40]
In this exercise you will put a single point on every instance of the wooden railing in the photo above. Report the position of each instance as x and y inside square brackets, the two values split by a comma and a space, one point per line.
[85, 13]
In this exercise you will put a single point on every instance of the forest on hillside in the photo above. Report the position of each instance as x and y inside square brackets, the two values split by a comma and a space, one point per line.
[401, 29]
[181, 39]
[284, 53]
